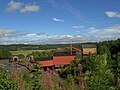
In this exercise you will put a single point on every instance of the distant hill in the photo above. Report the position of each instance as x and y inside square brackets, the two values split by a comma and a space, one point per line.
[16, 47]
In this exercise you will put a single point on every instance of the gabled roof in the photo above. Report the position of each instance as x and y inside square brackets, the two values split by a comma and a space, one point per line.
[89, 46]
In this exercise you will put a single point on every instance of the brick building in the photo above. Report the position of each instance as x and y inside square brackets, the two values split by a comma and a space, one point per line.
[60, 59]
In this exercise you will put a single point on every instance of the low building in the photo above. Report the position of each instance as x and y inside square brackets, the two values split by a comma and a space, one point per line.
[59, 59]
[89, 49]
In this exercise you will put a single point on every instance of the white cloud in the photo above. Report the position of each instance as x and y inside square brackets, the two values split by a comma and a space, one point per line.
[12, 5]
[30, 34]
[33, 38]
[113, 14]
[53, 39]
[113, 31]
[10, 36]
[67, 39]
[6, 32]
[57, 20]
[30, 8]
[93, 30]
[77, 27]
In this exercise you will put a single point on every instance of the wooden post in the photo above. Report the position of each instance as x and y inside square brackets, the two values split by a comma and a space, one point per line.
[71, 49]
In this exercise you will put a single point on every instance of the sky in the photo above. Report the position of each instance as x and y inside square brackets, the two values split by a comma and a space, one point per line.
[58, 21]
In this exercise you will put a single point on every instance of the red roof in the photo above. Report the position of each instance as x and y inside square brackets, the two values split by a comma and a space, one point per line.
[46, 63]
[62, 60]
[57, 60]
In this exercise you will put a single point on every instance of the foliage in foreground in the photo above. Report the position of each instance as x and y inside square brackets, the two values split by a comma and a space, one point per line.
[5, 82]
[19, 80]
[98, 75]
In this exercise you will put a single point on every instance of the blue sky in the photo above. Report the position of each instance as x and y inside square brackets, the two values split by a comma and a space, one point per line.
[58, 21]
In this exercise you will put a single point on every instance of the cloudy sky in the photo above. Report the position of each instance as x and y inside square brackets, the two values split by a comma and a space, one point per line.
[58, 21]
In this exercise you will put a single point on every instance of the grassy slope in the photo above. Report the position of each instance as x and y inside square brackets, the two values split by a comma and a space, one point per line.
[25, 52]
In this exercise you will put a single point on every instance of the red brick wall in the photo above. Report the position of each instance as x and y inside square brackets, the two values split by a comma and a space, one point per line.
[62, 60]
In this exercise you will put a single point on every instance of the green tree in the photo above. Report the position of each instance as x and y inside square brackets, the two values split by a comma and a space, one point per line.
[36, 54]
[99, 76]
[70, 70]
[21, 56]
[4, 54]
[104, 50]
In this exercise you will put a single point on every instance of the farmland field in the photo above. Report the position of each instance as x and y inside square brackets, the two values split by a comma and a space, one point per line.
[25, 52]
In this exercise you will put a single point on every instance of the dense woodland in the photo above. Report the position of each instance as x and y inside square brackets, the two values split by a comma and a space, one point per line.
[100, 72]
